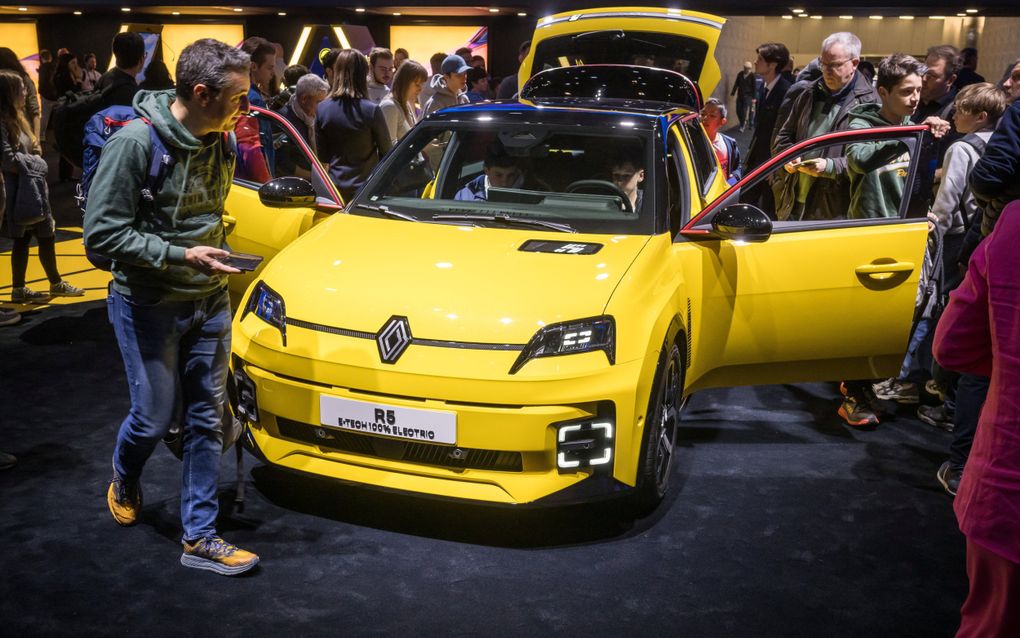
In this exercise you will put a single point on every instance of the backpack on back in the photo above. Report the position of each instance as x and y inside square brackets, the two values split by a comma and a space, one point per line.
[98, 131]
[69, 117]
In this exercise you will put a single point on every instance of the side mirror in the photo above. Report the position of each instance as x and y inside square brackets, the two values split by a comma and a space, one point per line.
[742, 222]
[287, 192]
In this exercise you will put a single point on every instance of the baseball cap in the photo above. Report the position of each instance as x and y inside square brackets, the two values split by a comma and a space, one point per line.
[454, 64]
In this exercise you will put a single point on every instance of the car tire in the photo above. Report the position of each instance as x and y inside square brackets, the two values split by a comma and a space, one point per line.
[662, 421]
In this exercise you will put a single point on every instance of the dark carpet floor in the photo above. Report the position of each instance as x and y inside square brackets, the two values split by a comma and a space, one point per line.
[781, 522]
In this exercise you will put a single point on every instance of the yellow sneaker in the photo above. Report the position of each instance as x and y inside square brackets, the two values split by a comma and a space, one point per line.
[125, 501]
[217, 555]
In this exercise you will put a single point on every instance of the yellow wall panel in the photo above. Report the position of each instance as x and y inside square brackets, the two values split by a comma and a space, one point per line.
[21, 38]
[422, 42]
[178, 36]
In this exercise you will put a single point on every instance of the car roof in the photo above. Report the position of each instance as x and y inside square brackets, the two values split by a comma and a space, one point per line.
[571, 111]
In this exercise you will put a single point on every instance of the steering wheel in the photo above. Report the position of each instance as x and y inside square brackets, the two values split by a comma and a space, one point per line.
[589, 185]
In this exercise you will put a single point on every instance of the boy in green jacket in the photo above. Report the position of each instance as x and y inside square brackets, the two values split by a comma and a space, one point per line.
[878, 170]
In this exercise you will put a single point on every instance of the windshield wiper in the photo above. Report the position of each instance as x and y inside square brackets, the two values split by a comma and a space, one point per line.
[386, 211]
[508, 219]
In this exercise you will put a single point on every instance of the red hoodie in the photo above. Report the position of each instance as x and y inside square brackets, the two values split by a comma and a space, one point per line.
[979, 333]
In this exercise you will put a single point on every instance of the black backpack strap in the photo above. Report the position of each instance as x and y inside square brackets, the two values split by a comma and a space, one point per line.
[978, 144]
[160, 164]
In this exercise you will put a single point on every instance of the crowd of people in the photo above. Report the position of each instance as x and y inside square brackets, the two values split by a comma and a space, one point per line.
[975, 367]
[966, 355]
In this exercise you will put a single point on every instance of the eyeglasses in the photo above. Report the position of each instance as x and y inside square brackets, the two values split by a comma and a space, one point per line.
[833, 66]
[622, 177]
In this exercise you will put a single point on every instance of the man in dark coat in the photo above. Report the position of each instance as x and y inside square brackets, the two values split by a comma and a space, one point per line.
[818, 187]
[772, 58]
[118, 85]
[744, 87]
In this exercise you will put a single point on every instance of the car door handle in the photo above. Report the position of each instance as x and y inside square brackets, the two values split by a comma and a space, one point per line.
[229, 221]
[884, 270]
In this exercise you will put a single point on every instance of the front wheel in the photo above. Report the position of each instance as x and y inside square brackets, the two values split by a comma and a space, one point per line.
[661, 425]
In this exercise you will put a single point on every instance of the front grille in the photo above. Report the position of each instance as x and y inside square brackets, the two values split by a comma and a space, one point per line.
[397, 450]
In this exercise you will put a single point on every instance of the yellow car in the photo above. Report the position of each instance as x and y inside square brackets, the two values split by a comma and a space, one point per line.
[514, 306]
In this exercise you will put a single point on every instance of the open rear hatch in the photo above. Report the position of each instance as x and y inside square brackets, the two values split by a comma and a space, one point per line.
[631, 87]
[672, 39]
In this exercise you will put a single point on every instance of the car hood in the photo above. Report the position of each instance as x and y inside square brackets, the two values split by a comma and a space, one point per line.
[451, 282]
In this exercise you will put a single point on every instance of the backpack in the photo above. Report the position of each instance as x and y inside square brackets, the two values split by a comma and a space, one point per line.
[70, 115]
[98, 131]
[978, 145]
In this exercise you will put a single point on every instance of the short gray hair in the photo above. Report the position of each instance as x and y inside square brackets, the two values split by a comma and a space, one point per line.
[851, 44]
[209, 62]
[310, 84]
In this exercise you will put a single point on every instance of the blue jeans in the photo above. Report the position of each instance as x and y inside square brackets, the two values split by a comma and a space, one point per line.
[919, 336]
[175, 356]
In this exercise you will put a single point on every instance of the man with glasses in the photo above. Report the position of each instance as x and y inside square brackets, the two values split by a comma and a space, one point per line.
[817, 187]
[380, 74]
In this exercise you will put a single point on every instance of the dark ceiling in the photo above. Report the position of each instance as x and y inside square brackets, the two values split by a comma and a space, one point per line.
[545, 7]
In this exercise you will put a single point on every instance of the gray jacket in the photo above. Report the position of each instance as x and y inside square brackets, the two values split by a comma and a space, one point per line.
[954, 204]
[442, 97]
[30, 195]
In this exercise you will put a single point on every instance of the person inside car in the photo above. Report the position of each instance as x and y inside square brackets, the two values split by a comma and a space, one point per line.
[501, 170]
[627, 172]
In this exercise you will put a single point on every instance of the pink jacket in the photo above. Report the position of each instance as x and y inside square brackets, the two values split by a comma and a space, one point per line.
[979, 333]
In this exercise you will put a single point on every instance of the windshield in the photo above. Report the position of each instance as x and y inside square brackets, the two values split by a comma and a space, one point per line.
[660, 50]
[561, 179]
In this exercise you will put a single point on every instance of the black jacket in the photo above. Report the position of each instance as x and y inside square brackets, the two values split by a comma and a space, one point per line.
[289, 157]
[828, 198]
[46, 87]
[744, 85]
[760, 149]
[119, 88]
[995, 179]
[351, 137]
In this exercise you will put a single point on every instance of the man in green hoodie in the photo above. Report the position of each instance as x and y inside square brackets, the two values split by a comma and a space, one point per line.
[168, 301]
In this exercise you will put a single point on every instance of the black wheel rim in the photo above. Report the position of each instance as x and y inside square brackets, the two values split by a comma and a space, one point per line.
[669, 415]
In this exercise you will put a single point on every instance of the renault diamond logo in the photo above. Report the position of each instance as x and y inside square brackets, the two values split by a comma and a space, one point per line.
[393, 339]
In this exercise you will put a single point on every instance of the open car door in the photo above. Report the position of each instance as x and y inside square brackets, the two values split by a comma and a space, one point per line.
[256, 224]
[812, 294]
[673, 39]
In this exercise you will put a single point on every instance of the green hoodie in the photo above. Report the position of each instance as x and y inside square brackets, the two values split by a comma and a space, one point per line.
[148, 245]
[878, 170]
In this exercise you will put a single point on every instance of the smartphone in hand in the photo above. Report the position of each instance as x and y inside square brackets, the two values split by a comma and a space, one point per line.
[245, 262]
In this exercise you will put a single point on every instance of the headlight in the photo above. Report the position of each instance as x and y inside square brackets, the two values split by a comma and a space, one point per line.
[268, 306]
[583, 335]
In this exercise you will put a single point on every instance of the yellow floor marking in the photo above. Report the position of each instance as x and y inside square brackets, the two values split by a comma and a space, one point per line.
[73, 267]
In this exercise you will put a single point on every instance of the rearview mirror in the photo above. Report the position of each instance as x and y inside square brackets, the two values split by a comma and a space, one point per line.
[742, 222]
[287, 192]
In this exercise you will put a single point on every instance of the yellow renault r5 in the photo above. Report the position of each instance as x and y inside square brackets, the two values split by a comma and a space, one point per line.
[514, 306]
[509, 343]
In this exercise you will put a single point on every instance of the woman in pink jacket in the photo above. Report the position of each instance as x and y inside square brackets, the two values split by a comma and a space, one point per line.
[979, 333]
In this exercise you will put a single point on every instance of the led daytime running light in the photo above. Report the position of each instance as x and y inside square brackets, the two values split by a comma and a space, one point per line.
[266, 304]
[572, 337]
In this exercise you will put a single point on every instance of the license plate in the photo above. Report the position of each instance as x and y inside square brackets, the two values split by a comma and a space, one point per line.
[428, 426]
